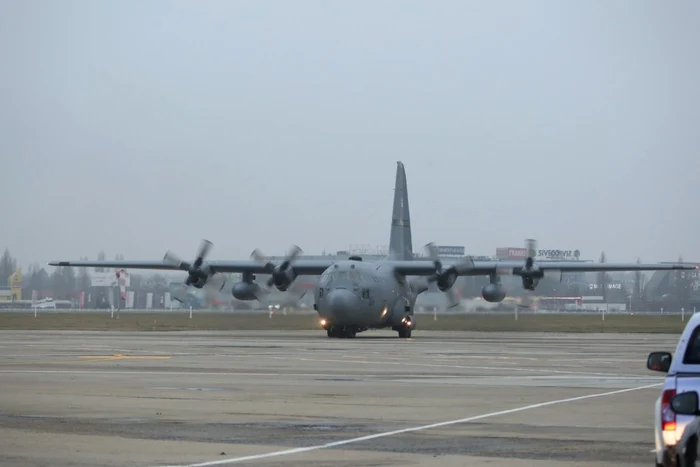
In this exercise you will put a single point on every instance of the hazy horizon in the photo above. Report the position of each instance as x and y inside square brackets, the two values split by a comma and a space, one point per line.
[139, 127]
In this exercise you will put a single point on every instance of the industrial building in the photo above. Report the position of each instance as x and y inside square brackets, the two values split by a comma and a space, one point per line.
[12, 292]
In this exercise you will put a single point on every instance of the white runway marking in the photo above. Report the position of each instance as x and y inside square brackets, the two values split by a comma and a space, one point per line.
[287, 452]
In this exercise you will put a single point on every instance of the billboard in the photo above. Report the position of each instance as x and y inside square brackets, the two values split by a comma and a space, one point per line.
[511, 253]
[521, 253]
[108, 279]
[559, 254]
[450, 250]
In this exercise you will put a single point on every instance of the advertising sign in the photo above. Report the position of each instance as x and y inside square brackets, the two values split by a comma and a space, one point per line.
[450, 250]
[559, 254]
[616, 286]
[108, 279]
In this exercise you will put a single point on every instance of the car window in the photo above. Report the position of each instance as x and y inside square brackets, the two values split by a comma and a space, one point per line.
[692, 351]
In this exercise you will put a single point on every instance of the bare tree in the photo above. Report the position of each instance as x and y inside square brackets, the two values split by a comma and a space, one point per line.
[602, 279]
[83, 280]
[38, 279]
[682, 287]
[637, 293]
[100, 257]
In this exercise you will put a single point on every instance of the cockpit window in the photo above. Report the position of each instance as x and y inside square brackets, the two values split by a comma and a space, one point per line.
[341, 275]
[352, 275]
[325, 278]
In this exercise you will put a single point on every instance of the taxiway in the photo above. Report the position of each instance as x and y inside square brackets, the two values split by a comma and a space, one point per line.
[298, 398]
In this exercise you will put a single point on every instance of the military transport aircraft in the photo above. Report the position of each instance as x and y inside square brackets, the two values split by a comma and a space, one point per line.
[353, 295]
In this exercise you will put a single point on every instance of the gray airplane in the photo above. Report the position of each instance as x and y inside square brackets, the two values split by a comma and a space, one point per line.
[353, 295]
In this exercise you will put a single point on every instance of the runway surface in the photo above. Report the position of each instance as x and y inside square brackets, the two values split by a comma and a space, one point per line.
[298, 398]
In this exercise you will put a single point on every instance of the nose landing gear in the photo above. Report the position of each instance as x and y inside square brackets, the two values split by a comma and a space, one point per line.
[407, 325]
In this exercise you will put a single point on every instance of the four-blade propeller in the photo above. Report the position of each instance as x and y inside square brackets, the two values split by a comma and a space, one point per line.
[199, 274]
[531, 274]
[283, 274]
[445, 278]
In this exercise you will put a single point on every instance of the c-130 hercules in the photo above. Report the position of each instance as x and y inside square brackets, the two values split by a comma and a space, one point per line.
[352, 295]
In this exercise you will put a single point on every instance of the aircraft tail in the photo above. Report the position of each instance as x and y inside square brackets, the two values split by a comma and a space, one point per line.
[400, 243]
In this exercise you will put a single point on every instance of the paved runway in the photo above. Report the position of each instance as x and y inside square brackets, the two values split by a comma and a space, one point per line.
[298, 398]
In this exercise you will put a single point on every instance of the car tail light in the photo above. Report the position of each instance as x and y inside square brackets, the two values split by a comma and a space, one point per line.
[668, 416]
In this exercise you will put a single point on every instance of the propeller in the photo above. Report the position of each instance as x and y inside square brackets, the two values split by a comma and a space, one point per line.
[194, 269]
[531, 270]
[282, 275]
[445, 278]
[532, 273]
[199, 274]
[213, 288]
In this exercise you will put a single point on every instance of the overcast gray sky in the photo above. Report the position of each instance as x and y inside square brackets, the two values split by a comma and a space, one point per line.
[137, 127]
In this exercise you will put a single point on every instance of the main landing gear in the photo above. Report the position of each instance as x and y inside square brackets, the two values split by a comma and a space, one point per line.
[339, 332]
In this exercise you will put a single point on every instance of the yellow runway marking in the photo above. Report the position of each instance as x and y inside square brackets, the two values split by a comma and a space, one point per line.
[118, 356]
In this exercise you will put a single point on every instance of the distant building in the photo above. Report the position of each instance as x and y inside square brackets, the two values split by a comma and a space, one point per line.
[13, 291]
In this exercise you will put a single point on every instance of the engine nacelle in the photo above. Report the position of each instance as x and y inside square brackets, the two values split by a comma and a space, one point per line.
[244, 291]
[530, 283]
[284, 279]
[446, 280]
[197, 281]
[493, 293]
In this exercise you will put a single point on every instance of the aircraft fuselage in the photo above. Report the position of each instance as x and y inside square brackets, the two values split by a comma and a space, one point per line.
[352, 296]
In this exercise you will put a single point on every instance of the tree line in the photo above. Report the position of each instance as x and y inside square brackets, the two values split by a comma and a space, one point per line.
[67, 283]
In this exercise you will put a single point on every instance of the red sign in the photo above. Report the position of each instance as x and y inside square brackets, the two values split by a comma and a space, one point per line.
[511, 253]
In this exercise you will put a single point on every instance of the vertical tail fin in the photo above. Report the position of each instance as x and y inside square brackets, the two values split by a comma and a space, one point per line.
[400, 243]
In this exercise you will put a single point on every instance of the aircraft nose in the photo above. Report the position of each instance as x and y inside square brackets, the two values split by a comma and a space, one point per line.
[340, 302]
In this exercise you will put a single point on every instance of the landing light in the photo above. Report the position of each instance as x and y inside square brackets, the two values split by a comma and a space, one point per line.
[323, 322]
[384, 311]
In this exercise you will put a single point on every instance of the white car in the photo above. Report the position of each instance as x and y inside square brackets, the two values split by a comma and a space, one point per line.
[683, 374]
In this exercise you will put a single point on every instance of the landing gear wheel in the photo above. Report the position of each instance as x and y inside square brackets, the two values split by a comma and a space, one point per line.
[404, 333]
[340, 333]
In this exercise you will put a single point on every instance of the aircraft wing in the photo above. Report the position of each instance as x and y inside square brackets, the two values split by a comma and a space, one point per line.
[301, 267]
[117, 264]
[482, 268]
